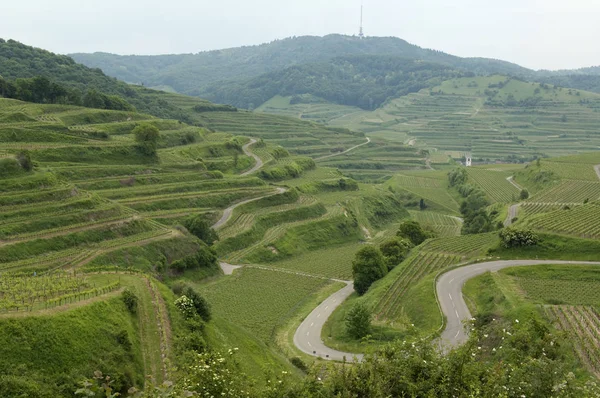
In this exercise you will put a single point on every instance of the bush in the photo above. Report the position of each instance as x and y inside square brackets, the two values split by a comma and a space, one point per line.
[205, 257]
[394, 251]
[299, 363]
[512, 238]
[200, 227]
[147, 137]
[524, 194]
[413, 231]
[201, 306]
[358, 321]
[130, 300]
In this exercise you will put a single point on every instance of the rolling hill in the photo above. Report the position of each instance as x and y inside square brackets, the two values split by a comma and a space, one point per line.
[192, 73]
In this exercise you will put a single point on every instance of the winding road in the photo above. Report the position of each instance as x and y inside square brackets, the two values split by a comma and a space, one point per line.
[449, 291]
[308, 335]
[513, 211]
[597, 168]
[259, 163]
[346, 151]
[229, 211]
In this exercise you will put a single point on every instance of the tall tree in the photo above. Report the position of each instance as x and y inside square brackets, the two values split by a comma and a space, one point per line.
[368, 266]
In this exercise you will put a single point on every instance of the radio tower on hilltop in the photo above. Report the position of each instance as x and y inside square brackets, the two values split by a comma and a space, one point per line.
[361, 33]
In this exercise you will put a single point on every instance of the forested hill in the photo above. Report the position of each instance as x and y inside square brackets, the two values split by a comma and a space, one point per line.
[192, 73]
[25, 70]
[361, 80]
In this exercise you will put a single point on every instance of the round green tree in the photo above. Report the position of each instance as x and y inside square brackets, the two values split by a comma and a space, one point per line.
[368, 266]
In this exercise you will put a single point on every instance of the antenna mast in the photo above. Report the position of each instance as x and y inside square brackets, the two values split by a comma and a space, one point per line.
[361, 33]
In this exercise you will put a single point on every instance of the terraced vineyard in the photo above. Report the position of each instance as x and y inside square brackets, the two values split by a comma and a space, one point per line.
[533, 208]
[582, 324]
[441, 224]
[569, 191]
[29, 293]
[463, 246]
[571, 171]
[409, 273]
[495, 184]
[582, 221]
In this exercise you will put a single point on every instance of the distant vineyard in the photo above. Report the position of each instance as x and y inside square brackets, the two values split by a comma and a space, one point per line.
[495, 185]
[417, 182]
[466, 245]
[582, 323]
[413, 270]
[571, 171]
[442, 225]
[583, 221]
[570, 192]
[532, 208]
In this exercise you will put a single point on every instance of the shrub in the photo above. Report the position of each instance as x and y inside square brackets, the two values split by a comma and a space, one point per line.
[201, 306]
[186, 306]
[394, 251]
[200, 227]
[130, 300]
[524, 194]
[358, 321]
[512, 238]
[413, 231]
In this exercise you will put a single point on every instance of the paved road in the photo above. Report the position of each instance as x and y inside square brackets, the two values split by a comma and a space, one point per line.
[449, 289]
[597, 168]
[259, 162]
[229, 211]
[346, 151]
[512, 181]
[228, 268]
[308, 334]
[513, 211]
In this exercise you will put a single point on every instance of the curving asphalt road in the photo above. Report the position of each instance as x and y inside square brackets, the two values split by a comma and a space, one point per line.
[229, 211]
[449, 290]
[308, 335]
[597, 168]
[259, 162]
[346, 151]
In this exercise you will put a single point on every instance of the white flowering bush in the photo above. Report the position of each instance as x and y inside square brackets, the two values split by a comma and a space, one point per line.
[186, 306]
[214, 375]
[512, 237]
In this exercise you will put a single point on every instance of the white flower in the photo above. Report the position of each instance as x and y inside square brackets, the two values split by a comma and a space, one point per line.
[517, 321]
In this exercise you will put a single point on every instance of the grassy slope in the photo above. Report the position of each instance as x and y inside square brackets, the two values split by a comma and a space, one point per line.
[46, 356]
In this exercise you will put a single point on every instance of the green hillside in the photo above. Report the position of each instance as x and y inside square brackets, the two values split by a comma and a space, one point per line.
[192, 73]
[492, 118]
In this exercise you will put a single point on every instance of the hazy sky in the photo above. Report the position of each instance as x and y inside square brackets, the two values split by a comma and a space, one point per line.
[548, 34]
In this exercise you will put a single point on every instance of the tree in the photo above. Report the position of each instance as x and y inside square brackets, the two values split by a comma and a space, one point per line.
[422, 205]
[524, 194]
[199, 227]
[200, 304]
[413, 231]
[358, 321]
[147, 136]
[368, 266]
[394, 251]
